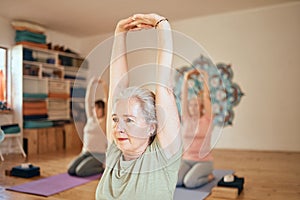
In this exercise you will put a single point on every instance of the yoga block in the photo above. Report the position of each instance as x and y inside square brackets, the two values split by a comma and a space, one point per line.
[236, 183]
[224, 192]
[29, 172]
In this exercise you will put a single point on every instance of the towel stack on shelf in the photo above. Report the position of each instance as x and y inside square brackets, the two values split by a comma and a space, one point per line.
[35, 110]
[29, 34]
[10, 128]
[58, 107]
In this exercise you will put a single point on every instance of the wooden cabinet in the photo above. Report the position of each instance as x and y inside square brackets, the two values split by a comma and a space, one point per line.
[52, 139]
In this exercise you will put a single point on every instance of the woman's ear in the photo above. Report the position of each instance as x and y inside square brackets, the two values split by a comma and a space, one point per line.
[151, 129]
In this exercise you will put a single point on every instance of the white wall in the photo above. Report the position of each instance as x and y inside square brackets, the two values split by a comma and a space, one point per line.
[263, 47]
[68, 41]
[7, 33]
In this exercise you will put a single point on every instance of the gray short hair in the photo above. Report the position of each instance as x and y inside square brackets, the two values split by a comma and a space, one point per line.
[145, 97]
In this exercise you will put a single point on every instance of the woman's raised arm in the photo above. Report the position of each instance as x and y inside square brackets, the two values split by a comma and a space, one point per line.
[118, 68]
[166, 109]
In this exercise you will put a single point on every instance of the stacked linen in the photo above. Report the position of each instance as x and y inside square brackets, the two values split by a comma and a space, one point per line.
[38, 124]
[35, 110]
[29, 34]
[58, 104]
[35, 89]
[10, 128]
[59, 89]
[30, 37]
[58, 109]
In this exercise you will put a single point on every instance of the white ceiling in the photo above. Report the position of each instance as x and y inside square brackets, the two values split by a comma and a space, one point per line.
[84, 18]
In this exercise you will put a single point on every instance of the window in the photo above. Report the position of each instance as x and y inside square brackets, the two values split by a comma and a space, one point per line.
[3, 75]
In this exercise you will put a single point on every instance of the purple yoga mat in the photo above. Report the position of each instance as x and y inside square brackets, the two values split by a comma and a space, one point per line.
[52, 185]
[201, 192]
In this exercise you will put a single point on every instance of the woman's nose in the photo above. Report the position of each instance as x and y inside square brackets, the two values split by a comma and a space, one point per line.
[120, 125]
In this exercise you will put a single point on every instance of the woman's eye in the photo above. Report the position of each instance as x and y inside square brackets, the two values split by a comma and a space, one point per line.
[128, 120]
[115, 119]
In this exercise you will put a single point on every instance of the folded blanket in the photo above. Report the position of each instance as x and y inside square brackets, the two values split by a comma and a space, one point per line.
[53, 105]
[31, 34]
[33, 44]
[35, 96]
[32, 111]
[10, 128]
[34, 105]
[37, 124]
[35, 117]
[20, 38]
[23, 25]
[58, 95]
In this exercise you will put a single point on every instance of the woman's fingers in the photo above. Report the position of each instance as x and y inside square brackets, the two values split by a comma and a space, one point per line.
[137, 22]
[149, 19]
[124, 25]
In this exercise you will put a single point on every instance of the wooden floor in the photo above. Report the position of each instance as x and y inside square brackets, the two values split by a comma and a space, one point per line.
[268, 175]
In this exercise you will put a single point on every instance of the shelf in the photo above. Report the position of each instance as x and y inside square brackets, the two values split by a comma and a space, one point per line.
[6, 112]
[50, 51]
[74, 69]
[41, 77]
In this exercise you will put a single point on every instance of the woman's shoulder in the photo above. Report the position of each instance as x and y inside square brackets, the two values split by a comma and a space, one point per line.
[156, 148]
[206, 117]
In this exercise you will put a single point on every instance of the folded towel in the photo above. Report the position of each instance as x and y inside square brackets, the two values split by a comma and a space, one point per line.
[10, 128]
[23, 25]
[33, 44]
[37, 124]
[32, 111]
[35, 117]
[35, 96]
[31, 34]
[58, 95]
[36, 104]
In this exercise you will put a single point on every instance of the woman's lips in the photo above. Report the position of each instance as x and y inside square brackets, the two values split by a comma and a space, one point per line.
[122, 139]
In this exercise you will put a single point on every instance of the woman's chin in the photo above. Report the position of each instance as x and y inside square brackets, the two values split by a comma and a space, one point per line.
[122, 144]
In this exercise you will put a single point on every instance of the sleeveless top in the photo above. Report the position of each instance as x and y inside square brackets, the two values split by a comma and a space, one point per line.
[151, 176]
[94, 139]
[197, 138]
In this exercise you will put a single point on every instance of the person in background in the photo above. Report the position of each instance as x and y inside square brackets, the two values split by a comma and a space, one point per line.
[91, 159]
[144, 142]
[197, 162]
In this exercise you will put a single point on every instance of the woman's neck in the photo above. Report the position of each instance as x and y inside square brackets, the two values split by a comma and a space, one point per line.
[130, 155]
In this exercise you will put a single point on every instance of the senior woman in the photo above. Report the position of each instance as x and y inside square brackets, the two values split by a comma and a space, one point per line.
[143, 156]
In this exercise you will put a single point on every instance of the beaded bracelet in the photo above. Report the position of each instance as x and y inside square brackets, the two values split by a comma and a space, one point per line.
[164, 19]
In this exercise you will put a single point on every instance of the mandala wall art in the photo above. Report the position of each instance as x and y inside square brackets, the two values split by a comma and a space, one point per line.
[224, 93]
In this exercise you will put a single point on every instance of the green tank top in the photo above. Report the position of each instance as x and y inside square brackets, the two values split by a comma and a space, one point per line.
[151, 176]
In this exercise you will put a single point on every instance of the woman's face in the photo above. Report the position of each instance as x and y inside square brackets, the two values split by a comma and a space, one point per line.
[99, 112]
[130, 130]
[194, 106]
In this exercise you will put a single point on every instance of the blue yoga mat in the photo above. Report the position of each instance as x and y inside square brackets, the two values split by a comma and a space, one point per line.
[201, 192]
